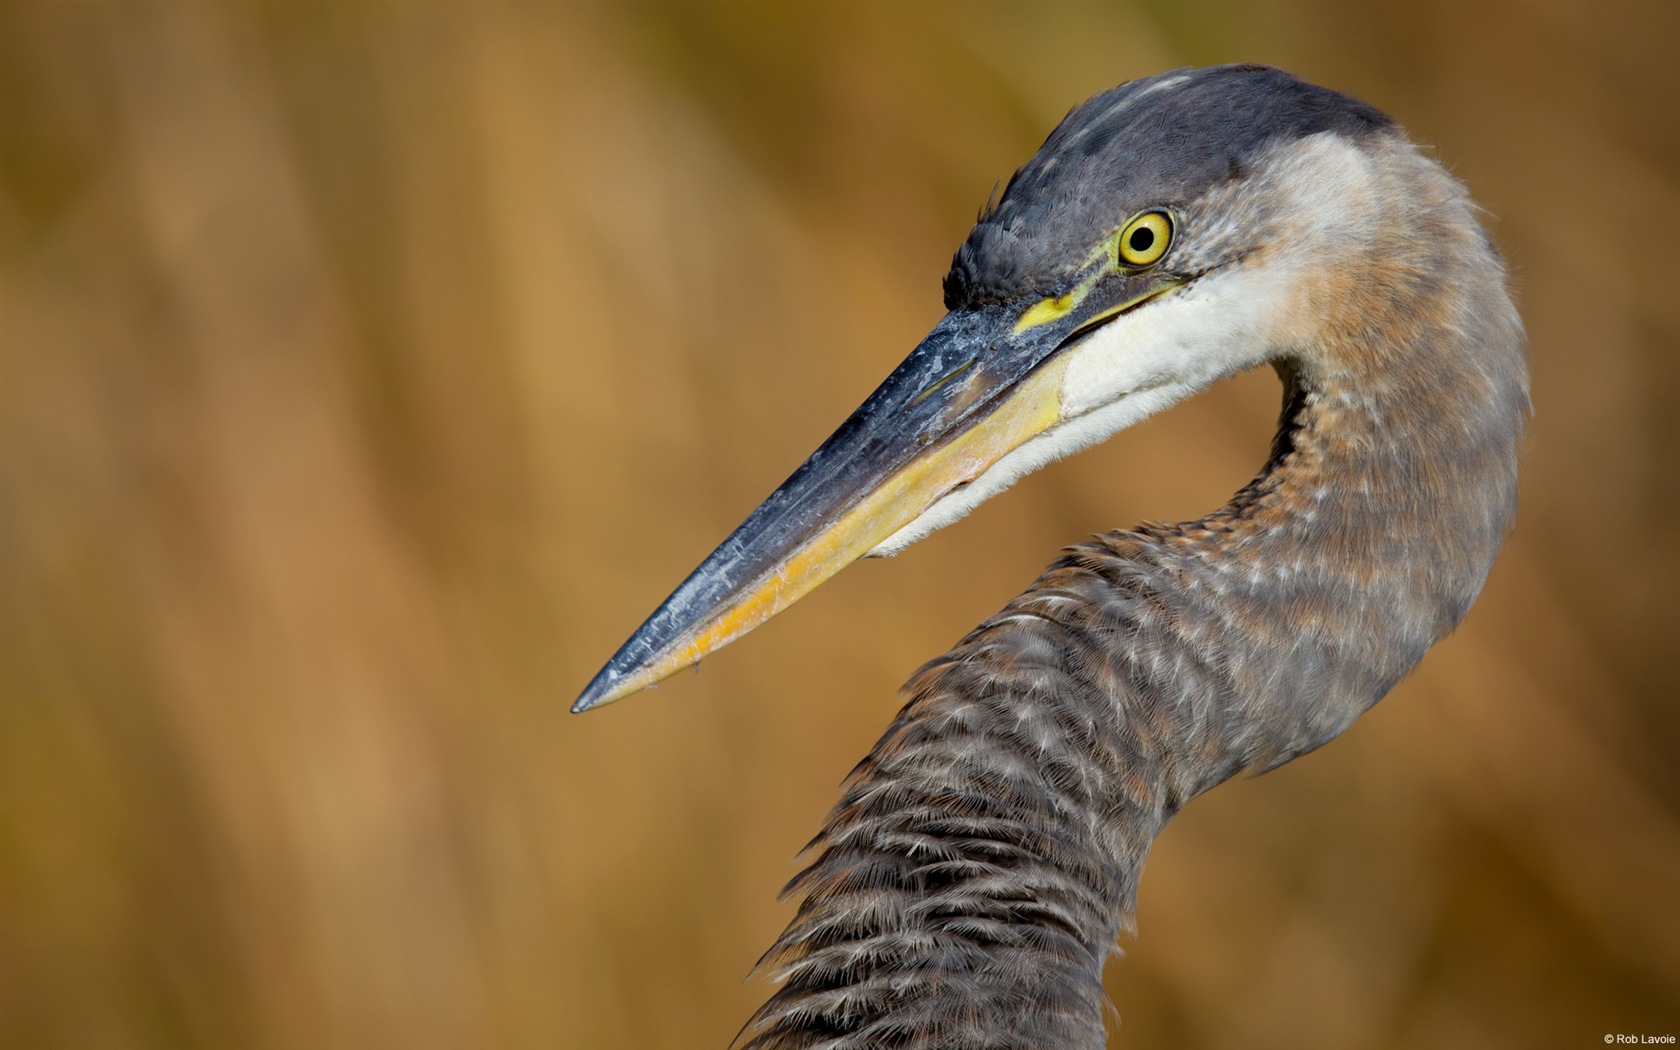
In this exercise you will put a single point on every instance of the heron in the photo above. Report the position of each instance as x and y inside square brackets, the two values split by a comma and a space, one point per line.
[1175, 230]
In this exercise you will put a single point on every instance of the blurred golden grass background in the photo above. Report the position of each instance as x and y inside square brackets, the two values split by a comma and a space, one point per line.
[367, 373]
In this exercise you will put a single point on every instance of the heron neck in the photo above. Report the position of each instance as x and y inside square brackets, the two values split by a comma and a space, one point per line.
[987, 852]
[1376, 520]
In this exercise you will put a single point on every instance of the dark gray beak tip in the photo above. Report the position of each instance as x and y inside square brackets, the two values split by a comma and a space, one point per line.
[596, 691]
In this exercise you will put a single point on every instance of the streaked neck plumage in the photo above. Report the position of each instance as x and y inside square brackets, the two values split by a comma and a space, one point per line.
[986, 854]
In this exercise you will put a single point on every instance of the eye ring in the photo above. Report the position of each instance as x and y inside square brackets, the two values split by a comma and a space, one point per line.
[1144, 239]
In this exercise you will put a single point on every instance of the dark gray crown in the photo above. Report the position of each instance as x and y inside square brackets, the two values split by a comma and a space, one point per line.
[1164, 140]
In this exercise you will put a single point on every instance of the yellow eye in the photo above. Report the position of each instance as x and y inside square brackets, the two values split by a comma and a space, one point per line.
[1145, 238]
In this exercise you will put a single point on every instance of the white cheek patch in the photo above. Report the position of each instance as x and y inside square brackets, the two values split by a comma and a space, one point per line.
[1219, 326]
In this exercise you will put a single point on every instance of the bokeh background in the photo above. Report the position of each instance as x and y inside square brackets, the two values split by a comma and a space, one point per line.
[368, 372]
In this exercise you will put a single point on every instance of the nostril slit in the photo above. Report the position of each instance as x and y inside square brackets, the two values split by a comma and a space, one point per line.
[943, 380]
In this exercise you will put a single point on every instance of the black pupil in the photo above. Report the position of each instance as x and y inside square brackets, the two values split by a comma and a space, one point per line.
[1141, 239]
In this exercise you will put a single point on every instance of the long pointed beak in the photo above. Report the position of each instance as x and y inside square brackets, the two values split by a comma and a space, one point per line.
[978, 386]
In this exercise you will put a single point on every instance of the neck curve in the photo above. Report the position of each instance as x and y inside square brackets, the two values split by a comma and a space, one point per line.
[1392, 481]
[986, 854]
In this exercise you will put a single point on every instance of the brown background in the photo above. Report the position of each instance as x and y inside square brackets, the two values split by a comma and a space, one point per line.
[369, 372]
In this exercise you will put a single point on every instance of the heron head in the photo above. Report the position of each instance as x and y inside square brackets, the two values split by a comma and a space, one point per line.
[1169, 232]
